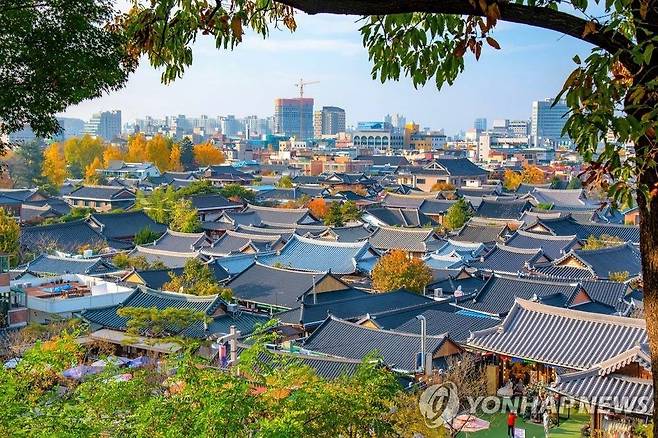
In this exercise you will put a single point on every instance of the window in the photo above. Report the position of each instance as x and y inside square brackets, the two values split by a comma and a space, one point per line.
[420, 180]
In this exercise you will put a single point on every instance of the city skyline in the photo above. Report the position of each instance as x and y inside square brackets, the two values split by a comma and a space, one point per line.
[328, 49]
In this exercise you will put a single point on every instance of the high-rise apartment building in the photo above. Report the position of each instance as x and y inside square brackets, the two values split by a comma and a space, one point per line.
[294, 117]
[106, 124]
[547, 122]
[480, 124]
[330, 120]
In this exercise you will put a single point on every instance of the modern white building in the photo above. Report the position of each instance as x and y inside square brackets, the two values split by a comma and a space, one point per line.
[106, 124]
[51, 298]
[121, 169]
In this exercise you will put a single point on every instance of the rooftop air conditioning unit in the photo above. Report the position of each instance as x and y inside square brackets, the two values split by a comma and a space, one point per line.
[438, 292]
[232, 307]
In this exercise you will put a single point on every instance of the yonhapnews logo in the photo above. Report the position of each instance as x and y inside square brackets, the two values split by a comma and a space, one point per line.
[439, 404]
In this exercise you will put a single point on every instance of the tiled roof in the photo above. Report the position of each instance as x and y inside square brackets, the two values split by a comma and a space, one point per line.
[436, 206]
[281, 215]
[399, 217]
[562, 272]
[458, 326]
[236, 242]
[560, 337]
[407, 239]
[123, 225]
[67, 236]
[156, 278]
[354, 233]
[273, 286]
[147, 298]
[561, 198]
[530, 217]
[617, 392]
[502, 209]
[602, 262]
[498, 294]
[171, 259]
[50, 264]
[320, 255]
[22, 195]
[460, 167]
[567, 226]
[105, 193]
[353, 307]
[553, 246]
[211, 202]
[175, 241]
[480, 232]
[341, 338]
[407, 201]
[507, 259]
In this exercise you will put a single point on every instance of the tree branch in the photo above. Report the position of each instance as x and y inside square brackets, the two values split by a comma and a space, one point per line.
[542, 17]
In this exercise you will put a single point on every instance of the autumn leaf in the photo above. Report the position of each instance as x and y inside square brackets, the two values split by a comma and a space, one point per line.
[493, 43]
[590, 27]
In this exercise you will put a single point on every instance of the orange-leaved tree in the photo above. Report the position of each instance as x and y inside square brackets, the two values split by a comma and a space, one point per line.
[512, 180]
[207, 154]
[318, 208]
[396, 270]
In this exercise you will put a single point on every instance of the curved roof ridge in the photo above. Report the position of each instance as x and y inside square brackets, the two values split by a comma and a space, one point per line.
[182, 234]
[391, 332]
[516, 250]
[289, 269]
[262, 208]
[266, 237]
[152, 250]
[579, 314]
[177, 295]
[321, 242]
[542, 236]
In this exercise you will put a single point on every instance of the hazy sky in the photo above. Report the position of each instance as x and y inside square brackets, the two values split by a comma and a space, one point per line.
[531, 65]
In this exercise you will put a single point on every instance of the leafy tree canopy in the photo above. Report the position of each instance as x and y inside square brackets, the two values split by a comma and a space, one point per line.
[57, 53]
[396, 270]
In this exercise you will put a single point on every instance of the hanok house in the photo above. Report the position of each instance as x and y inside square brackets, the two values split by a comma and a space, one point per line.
[497, 296]
[222, 315]
[211, 206]
[124, 226]
[234, 242]
[503, 259]
[270, 289]
[553, 246]
[157, 278]
[415, 241]
[220, 175]
[537, 342]
[478, 230]
[45, 265]
[618, 391]
[600, 263]
[400, 351]
[455, 171]
[101, 198]
[315, 255]
[568, 226]
[68, 237]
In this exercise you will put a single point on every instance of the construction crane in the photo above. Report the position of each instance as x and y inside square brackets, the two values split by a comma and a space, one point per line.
[301, 84]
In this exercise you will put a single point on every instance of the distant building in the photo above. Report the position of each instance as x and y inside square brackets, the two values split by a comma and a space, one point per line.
[377, 135]
[230, 126]
[547, 122]
[121, 169]
[294, 117]
[519, 128]
[396, 120]
[25, 135]
[480, 124]
[329, 120]
[70, 128]
[500, 127]
[106, 124]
